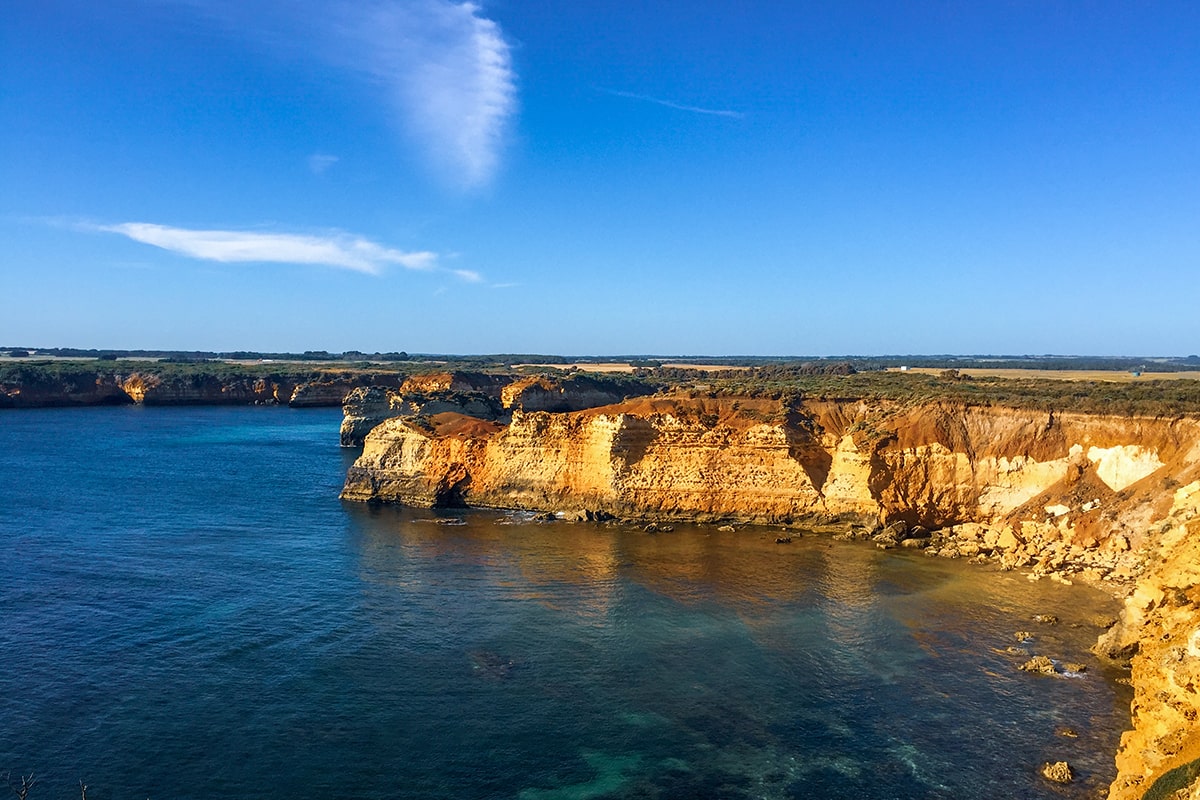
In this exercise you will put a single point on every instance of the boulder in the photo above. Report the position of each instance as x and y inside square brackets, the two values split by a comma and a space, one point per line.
[1039, 664]
[1058, 772]
[1007, 540]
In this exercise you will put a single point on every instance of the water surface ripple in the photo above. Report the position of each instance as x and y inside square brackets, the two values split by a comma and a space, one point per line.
[187, 610]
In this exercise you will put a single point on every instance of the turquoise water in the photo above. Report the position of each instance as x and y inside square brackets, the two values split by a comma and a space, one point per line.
[187, 610]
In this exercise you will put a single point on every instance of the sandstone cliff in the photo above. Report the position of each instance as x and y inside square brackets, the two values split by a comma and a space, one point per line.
[75, 387]
[83, 386]
[760, 461]
[155, 390]
[1160, 626]
[1107, 499]
[490, 397]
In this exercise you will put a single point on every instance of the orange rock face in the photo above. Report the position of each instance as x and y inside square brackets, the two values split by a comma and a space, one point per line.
[758, 461]
[1162, 619]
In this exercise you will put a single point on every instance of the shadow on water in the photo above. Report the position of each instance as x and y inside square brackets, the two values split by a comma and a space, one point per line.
[707, 664]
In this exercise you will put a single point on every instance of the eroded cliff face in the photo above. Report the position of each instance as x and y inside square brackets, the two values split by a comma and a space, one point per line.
[154, 390]
[1106, 499]
[1160, 625]
[489, 397]
[753, 460]
[90, 387]
[551, 394]
[73, 388]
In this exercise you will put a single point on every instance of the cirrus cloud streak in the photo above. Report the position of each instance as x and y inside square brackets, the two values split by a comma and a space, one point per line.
[339, 250]
[443, 69]
[715, 112]
[448, 71]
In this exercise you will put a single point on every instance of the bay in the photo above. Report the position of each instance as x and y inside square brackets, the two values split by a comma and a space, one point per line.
[187, 610]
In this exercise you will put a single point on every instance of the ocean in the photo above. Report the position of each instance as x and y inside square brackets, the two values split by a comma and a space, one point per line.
[188, 610]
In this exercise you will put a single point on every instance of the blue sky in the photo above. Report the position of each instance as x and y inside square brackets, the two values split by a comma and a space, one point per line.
[595, 178]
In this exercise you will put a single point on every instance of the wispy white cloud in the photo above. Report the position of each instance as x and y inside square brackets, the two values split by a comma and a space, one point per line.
[448, 71]
[716, 112]
[468, 275]
[444, 69]
[339, 250]
[320, 162]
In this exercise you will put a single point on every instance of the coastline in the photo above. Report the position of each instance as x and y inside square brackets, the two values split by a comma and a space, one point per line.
[1111, 501]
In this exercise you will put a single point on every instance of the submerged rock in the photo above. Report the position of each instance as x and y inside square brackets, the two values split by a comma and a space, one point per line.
[491, 664]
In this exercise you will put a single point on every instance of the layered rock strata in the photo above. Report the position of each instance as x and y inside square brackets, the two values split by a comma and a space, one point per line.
[1079, 479]
[84, 387]
[154, 390]
[1108, 499]
[490, 397]
[69, 388]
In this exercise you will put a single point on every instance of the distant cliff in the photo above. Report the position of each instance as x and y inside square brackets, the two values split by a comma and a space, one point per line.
[1113, 500]
[57, 385]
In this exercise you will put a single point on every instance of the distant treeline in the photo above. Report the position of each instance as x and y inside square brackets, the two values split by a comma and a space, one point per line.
[34, 372]
[202, 355]
[1109, 363]
[818, 378]
[823, 364]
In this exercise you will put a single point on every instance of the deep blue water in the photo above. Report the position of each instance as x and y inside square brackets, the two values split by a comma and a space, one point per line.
[187, 610]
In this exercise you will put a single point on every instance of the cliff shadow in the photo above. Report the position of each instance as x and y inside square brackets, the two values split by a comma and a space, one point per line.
[632, 439]
[815, 460]
[451, 490]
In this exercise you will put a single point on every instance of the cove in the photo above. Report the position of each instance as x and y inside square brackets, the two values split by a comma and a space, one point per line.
[189, 610]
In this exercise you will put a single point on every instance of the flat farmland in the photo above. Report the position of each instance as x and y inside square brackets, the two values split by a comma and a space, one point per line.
[1113, 376]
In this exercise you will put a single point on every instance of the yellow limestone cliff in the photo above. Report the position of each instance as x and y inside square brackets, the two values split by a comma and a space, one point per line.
[762, 461]
[1160, 757]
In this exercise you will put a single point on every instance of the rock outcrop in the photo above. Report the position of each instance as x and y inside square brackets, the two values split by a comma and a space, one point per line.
[76, 387]
[575, 393]
[489, 397]
[366, 407]
[156, 390]
[1159, 630]
[1016, 475]
[333, 391]
[1106, 499]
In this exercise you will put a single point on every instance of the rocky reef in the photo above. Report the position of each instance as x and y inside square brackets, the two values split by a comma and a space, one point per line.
[1111, 500]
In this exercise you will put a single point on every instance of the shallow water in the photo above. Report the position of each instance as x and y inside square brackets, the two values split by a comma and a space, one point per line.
[187, 610]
